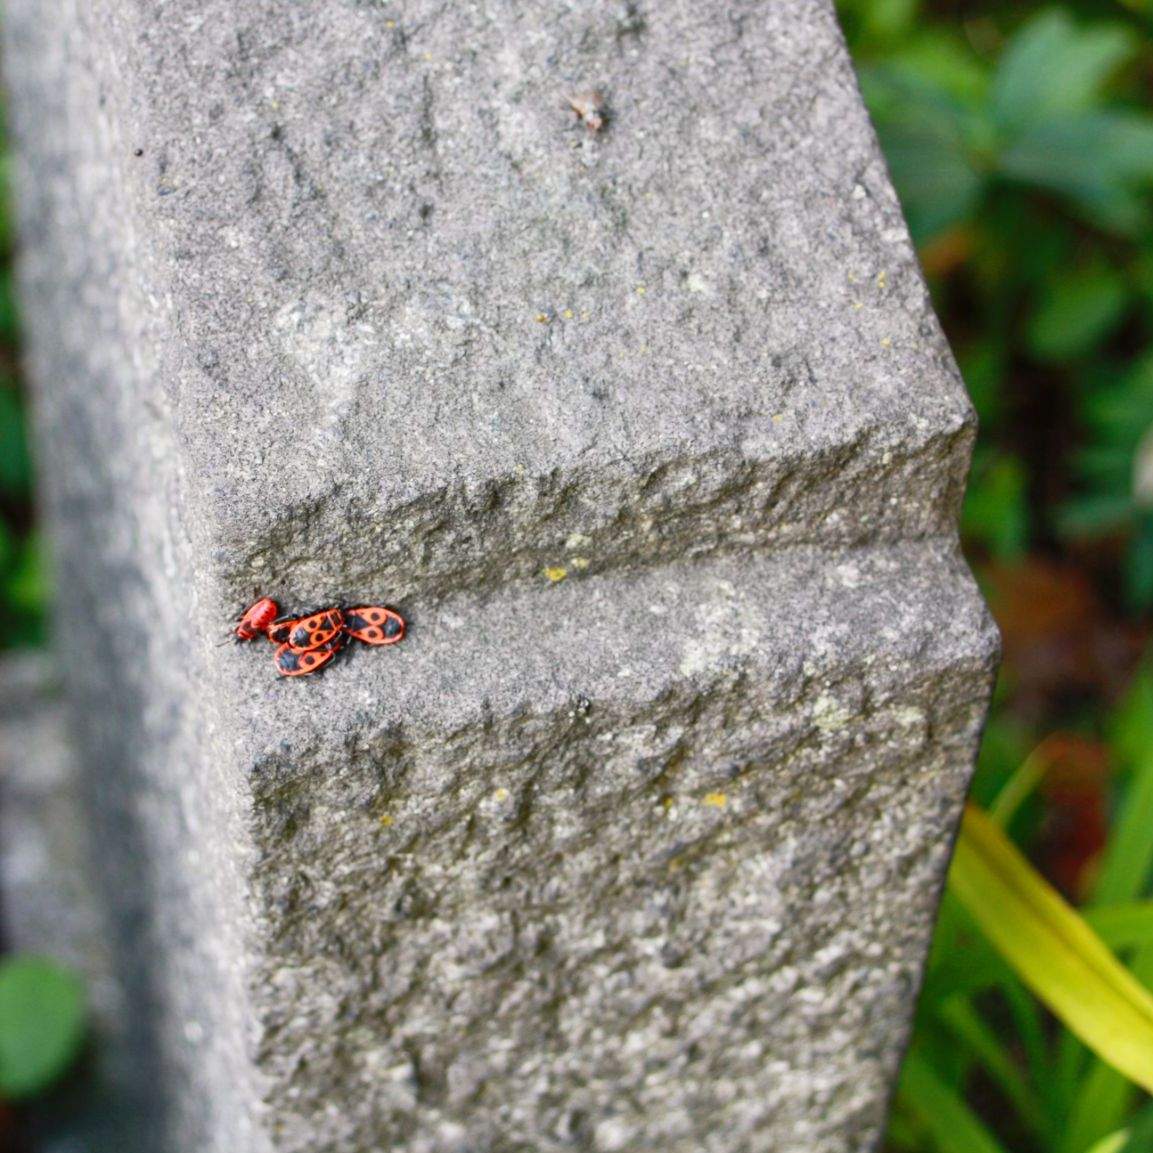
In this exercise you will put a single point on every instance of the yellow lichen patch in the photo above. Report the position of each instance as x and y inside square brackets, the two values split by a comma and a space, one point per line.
[500, 795]
[568, 314]
[882, 279]
[542, 318]
[555, 573]
[386, 821]
[641, 290]
[716, 800]
[580, 563]
[886, 343]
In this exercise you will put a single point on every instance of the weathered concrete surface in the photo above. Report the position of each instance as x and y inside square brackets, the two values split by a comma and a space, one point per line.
[337, 300]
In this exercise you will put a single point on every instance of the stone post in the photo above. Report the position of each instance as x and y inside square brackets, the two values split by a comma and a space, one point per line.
[636, 407]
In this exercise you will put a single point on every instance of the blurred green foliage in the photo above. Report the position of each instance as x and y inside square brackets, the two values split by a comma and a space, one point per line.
[1019, 142]
[42, 1025]
[1020, 139]
[22, 585]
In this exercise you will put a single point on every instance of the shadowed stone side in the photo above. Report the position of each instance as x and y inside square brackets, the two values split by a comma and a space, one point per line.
[338, 300]
[51, 910]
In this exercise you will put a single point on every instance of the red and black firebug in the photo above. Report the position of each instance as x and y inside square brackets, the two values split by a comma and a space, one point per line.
[257, 618]
[308, 643]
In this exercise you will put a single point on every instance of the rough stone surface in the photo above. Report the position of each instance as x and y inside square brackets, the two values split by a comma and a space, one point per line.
[486, 330]
[649, 887]
[337, 299]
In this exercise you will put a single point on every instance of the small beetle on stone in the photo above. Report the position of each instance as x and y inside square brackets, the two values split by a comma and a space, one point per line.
[589, 108]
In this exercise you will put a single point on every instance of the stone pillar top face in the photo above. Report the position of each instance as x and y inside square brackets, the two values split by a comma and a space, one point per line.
[405, 274]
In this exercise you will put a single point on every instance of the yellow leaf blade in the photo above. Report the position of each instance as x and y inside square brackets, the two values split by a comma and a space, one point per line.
[1052, 949]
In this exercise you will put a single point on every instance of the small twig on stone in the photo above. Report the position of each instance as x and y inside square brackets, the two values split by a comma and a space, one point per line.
[589, 108]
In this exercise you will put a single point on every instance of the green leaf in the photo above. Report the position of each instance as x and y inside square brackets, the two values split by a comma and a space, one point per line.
[996, 512]
[1104, 1097]
[1005, 746]
[42, 1022]
[1114, 1143]
[27, 580]
[1052, 949]
[999, 1065]
[983, 363]
[883, 19]
[1052, 67]
[1020, 785]
[1122, 926]
[1030, 1027]
[1101, 1097]
[930, 139]
[953, 1125]
[1139, 564]
[972, 969]
[934, 178]
[1139, 1135]
[1128, 859]
[9, 311]
[1093, 515]
[944, 60]
[14, 465]
[1102, 162]
[904, 1132]
[1118, 404]
[1076, 312]
[7, 548]
[974, 966]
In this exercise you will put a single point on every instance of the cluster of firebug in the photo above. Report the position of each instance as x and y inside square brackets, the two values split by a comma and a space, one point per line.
[307, 643]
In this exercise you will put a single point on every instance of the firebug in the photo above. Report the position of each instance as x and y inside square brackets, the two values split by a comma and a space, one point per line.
[257, 618]
[309, 632]
[374, 625]
[306, 644]
[292, 663]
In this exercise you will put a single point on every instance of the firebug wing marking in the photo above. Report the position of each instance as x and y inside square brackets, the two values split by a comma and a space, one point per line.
[374, 625]
[310, 632]
[291, 663]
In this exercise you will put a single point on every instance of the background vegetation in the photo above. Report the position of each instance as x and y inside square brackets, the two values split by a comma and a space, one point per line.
[22, 587]
[1021, 142]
